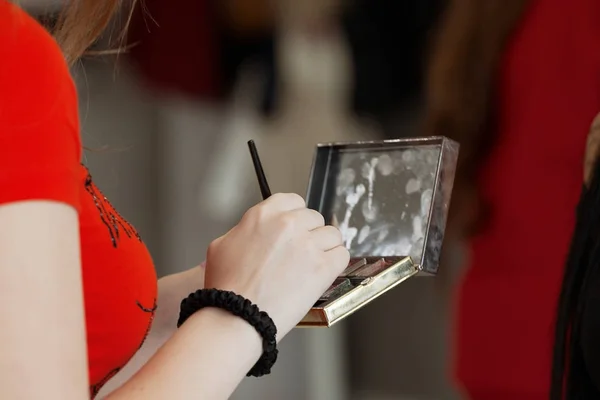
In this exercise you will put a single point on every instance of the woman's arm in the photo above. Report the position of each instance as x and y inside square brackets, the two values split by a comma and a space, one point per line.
[171, 290]
[205, 359]
[42, 340]
[42, 334]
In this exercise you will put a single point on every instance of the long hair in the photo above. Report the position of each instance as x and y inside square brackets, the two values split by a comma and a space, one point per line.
[82, 22]
[461, 92]
[570, 379]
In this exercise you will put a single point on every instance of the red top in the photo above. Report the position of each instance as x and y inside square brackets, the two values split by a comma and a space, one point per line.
[549, 95]
[40, 153]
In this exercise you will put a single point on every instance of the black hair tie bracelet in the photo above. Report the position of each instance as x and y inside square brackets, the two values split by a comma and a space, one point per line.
[240, 307]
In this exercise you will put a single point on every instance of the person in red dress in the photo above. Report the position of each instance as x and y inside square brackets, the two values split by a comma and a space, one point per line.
[517, 83]
[78, 289]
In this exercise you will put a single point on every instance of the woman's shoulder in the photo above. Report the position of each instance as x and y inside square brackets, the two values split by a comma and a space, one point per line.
[40, 147]
[22, 36]
[36, 88]
[32, 62]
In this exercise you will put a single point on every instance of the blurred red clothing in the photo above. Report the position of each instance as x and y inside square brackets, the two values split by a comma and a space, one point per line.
[549, 92]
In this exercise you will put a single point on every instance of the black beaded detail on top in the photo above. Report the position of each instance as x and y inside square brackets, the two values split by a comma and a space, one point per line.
[240, 307]
[113, 221]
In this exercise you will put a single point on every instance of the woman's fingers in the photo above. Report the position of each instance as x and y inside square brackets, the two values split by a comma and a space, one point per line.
[337, 259]
[284, 202]
[327, 237]
[306, 218]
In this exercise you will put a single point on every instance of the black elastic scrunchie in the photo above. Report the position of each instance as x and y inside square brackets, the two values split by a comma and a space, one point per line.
[240, 307]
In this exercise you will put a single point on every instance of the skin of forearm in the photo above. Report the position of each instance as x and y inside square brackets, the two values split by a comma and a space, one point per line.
[171, 290]
[205, 359]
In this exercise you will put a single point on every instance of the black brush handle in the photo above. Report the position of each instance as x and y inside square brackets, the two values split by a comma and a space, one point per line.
[260, 173]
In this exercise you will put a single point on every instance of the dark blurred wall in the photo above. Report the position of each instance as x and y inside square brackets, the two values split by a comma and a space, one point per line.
[389, 45]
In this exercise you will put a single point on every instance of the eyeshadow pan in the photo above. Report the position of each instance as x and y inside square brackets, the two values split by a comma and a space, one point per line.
[371, 269]
[353, 266]
[392, 260]
[339, 287]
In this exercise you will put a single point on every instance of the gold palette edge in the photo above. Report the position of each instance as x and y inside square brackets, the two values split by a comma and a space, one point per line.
[368, 290]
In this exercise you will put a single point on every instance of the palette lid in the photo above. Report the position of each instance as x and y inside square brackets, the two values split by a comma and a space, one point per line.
[389, 197]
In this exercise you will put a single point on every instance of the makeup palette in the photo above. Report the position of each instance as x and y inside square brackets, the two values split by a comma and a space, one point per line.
[390, 200]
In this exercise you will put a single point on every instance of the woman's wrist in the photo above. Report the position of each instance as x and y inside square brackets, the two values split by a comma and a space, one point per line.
[194, 359]
[232, 329]
[240, 307]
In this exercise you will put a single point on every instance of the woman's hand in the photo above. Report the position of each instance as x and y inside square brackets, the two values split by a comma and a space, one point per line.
[280, 256]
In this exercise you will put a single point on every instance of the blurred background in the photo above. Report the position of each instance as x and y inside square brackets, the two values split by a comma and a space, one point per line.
[168, 124]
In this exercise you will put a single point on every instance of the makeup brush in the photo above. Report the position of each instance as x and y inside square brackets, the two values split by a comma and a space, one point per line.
[260, 173]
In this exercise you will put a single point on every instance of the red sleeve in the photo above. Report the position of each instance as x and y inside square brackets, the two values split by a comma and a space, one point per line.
[40, 148]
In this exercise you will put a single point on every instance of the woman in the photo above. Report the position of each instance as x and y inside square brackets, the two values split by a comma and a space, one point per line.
[516, 83]
[77, 286]
[576, 361]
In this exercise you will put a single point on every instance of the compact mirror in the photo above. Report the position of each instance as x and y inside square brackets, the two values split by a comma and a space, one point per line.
[390, 200]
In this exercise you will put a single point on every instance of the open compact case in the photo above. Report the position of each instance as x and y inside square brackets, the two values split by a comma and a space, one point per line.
[390, 200]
